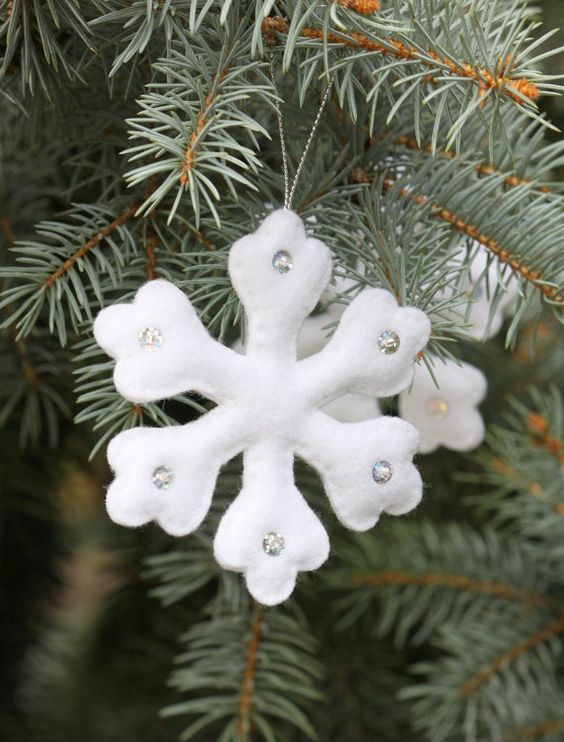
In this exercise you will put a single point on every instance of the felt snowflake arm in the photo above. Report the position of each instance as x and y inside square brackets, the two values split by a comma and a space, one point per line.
[279, 274]
[350, 408]
[366, 467]
[269, 532]
[372, 351]
[162, 349]
[169, 474]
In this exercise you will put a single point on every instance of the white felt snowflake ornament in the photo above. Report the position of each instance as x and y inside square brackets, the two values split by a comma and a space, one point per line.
[446, 414]
[268, 407]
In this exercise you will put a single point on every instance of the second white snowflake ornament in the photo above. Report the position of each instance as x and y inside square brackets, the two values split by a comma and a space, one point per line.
[448, 415]
[268, 407]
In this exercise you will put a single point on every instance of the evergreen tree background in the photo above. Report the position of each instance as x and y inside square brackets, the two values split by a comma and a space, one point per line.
[138, 139]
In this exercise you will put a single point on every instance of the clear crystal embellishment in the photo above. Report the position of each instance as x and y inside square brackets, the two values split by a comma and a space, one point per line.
[388, 342]
[162, 477]
[273, 543]
[282, 261]
[150, 339]
[382, 472]
[437, 408]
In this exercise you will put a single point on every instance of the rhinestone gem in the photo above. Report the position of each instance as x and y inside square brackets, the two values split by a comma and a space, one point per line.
[273, 543]
[388, 342]
[282, 261]
[437, 408]
[162, 477]
[150, 339]
[382, 472]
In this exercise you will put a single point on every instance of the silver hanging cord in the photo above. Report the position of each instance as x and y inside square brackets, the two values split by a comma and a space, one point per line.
[310, 140]
[289, 192]
[282, 138]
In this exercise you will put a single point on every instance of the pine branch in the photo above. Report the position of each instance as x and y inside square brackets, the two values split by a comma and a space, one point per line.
[424, 574]
[509, 677]
[243, 724]
[401, 180]
[33, 387]
[364, 7]
[151, 257]
[450, 581]
[483, 693]
[549, 291]
[521, 90]
[538, 731]
[139, 25]
[541, 436]
[380, 241]
[40, 41]
[516, 147]
[27, 367]
[526, 477]
[93, 242]
[483, 675]
[481, 168]
[195, 121]
[180, 573]
[474, 204]
[247, 673]
[463, 60]
[53, 271]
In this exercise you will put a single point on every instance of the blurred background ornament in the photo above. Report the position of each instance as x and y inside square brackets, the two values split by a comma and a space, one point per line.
[445, 409]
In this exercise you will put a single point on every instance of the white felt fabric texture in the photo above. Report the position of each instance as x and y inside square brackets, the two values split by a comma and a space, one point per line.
[462, 388]
[270, 503]
[344, 455]
[314, 335]
[267, 408]
[350, 407]
[351, 361]
[189, 359]
[276, 304]
[194, 452]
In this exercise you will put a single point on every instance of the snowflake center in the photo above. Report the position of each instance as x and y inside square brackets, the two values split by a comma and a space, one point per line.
[274, 396]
